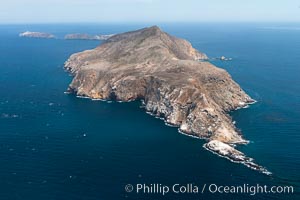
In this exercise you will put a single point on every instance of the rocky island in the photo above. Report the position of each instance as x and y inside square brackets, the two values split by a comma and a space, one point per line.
[83, 36]
[171, 79]
[37, 35]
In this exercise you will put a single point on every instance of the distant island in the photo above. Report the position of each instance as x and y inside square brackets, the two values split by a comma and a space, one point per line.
[81, 36]
[73, 36]
[37, 35]
[172, 80]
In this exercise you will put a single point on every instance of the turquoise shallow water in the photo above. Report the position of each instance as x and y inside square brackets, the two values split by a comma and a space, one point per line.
[57, 146]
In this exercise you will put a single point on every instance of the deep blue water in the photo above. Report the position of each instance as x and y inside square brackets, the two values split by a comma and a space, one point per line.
[56, 146]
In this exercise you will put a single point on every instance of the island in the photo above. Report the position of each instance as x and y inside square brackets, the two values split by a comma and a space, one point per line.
[37, 35]
[84, 36]
[172, 80]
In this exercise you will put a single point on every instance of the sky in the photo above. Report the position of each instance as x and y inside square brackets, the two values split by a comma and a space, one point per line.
[107, 11]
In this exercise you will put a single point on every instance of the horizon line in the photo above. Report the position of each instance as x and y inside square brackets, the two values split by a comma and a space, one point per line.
[146, 22]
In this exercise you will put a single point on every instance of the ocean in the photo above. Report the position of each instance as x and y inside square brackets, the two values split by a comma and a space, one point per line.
[55, 146]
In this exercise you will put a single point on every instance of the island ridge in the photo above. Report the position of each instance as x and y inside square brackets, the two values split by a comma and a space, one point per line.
[173, 81]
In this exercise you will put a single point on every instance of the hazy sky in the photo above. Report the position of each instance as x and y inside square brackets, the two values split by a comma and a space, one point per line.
[52, 11]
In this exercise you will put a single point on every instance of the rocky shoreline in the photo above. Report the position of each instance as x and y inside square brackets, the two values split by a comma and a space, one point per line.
[169, 76]
[229, 152]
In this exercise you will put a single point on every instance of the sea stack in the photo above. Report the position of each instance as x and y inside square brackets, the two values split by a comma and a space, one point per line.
[170, 77]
